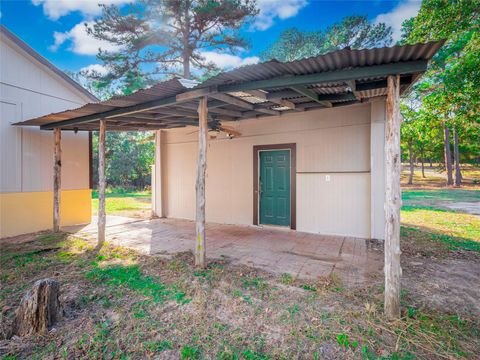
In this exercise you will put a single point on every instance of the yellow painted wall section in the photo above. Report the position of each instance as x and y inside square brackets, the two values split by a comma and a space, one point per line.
[27, 212]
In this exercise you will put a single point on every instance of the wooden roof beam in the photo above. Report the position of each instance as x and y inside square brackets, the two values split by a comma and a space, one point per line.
[279, 101]
[233, 101]
[268, 111]
[195, 94]
[177, 112]
[382, 84]
[311, 94]
[246, 105]
[352, 84]
[215, 110]
[401, 68]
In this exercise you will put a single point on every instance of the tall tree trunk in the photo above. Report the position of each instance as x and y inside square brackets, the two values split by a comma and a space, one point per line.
[186, 67]
[431, 164]
[423, 164]
[456, 157]
[448, 154]
[186, 42]
[410, 152]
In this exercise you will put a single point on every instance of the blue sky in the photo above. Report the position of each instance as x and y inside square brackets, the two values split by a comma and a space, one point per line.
[55, 28]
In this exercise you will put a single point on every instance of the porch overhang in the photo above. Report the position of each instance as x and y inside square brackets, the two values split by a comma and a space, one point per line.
[339, 78]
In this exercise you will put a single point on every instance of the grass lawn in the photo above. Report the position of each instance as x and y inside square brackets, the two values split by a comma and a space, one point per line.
[133, 204]
[121, 305]
[429, 210]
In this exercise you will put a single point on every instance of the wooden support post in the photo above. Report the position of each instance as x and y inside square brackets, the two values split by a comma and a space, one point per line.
[200, 183]
[393, 200]
[57, 177]
[101, 183]
[157, 189]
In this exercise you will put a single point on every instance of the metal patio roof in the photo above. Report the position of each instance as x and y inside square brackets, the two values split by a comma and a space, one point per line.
[338, 78]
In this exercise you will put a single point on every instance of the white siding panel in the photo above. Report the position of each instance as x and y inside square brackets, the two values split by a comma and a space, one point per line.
[377, 134]
[181, 166]
[331, 149]
[340, 206]
[23, 72]
[10, 148]
[27, 152]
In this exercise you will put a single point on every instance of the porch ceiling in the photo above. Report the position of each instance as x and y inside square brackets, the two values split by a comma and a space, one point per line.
[272, 88]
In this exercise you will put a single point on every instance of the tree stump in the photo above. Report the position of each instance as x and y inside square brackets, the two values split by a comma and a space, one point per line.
[39, 309]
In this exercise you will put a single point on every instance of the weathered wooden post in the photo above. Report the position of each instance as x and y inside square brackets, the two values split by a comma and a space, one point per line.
[393, 200]
[200, 183]
[57, 177]
[101, 183]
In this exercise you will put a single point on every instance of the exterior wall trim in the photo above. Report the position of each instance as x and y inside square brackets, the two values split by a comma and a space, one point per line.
[293, 179]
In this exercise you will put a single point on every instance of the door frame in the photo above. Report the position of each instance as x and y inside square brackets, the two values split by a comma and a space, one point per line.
[293, 181]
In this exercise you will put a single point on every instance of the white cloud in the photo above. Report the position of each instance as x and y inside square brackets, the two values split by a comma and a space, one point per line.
[228, 61]
[59, 39]
[272, 9]
[96, 68]
[403, 11]
[55, 9]
[80, 42]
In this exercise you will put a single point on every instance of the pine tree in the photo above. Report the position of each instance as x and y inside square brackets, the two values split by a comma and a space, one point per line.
[157, 38]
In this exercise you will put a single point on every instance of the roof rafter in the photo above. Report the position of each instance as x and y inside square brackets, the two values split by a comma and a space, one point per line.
[352, 84]
[302, 90]
[279, 101]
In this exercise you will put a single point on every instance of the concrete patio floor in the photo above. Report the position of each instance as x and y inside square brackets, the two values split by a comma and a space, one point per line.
[299, 254]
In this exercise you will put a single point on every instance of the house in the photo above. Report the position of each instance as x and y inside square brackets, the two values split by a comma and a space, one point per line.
[30, 86]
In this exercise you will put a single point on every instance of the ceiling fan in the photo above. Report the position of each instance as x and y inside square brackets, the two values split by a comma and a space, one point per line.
[217, 127]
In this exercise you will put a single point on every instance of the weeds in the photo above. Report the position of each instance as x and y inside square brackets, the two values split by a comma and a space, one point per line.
[132, 278]
[125, 304]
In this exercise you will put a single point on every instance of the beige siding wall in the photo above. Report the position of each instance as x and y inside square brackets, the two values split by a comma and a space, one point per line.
[28, 89]
[333, 170]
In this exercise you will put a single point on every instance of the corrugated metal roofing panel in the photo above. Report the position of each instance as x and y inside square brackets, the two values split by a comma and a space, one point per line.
[336, 60]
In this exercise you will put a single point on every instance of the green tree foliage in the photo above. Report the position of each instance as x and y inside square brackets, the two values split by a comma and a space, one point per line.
[129, 158]
[449, 93]
[355, 32]
[156, 38]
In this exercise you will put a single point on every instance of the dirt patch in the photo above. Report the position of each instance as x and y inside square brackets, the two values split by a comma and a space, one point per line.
[138, 214]
[19, 239]
[466, 207]
[452, 286]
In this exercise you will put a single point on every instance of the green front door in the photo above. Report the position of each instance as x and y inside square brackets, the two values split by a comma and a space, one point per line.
[274, 185]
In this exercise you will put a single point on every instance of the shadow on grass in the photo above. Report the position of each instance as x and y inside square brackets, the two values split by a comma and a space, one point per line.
[452, 195]
[427, 243]
[451, 224]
